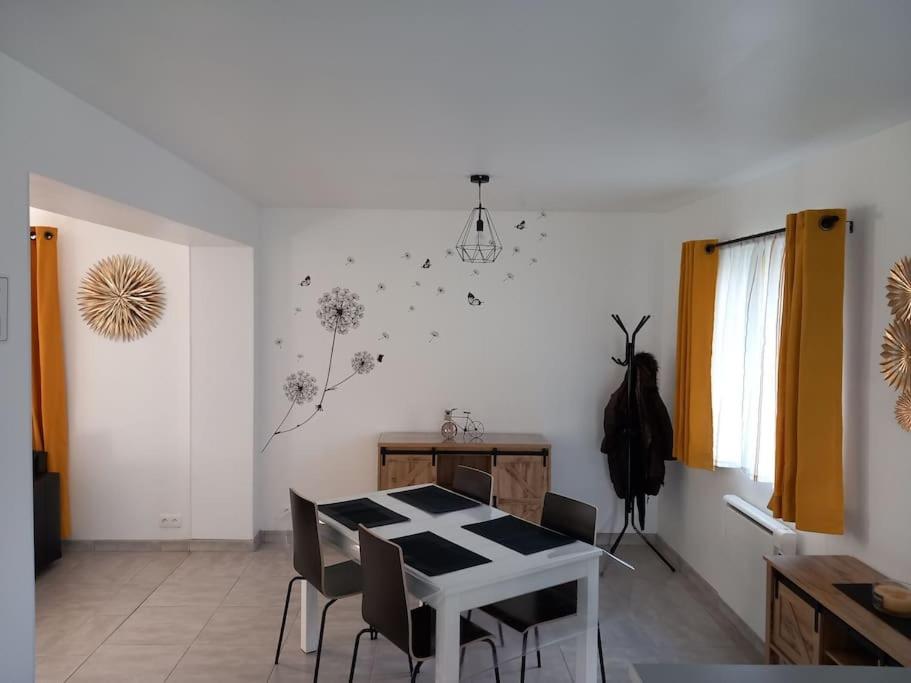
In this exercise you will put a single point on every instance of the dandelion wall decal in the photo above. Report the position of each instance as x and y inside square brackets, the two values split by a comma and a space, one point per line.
[411, 308]
[509, 276]
[278, 341]
[300, 356]
[516, 250]
[475, 271]
[305, 282]
[380, 287]
[441, 290]
[532, 261]
[542, 236]
[384, 336]
[434, 335]
[338, 311]
[542, 215]
[298, 309]
[406, 255]
[417, 283]
[449, 252]
[349, 261]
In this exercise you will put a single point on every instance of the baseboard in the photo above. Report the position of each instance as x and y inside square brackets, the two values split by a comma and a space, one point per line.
[177, 545]
[282, 536]
[708, 594]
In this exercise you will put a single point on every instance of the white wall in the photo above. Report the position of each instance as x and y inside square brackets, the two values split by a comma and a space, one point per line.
[870, 178]
[535, 357]
[45, 130]
[222, 331]
[128, 402]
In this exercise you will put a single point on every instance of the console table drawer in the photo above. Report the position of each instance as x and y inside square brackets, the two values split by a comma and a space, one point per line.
[795, 627]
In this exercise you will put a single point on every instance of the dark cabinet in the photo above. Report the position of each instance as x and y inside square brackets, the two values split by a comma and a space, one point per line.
[46, 500]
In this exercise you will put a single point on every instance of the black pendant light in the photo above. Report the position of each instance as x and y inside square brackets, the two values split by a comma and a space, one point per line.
[479, 242]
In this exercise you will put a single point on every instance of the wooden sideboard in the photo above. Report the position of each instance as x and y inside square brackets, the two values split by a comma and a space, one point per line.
[519, 463]
[809, 621]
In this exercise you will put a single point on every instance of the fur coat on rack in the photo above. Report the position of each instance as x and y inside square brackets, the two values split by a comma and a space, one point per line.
[651, 430]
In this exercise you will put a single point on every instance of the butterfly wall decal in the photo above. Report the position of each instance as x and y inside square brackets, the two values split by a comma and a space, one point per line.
[305, 282]
[520, 225]
[426, 264]
[473, 300]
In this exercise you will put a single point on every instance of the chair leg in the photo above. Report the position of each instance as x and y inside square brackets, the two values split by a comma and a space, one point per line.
[524, 646]
[410, 665]
[373, 634]
[468, 615]
[496, 661]
[357, 641]
[500, 629]
[319, 646]
[281, 633]
[601, 654]
[538, 646]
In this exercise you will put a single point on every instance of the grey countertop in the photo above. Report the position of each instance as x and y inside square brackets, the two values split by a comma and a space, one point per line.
[747, 673]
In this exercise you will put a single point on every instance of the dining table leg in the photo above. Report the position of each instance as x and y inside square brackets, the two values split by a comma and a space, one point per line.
[587, 638]
[309, 617]
[447, 643]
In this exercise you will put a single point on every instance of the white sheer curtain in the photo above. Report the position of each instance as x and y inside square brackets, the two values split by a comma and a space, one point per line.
[745, 355]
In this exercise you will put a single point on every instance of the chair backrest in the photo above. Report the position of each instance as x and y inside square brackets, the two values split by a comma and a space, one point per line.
[384, 604]
[473, 483]
[308, 554]
[570, 517]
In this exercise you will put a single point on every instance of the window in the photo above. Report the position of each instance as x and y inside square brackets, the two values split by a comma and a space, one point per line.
[745, 355]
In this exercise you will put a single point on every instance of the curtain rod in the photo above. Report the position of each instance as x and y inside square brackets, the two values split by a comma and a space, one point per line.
[825, 223]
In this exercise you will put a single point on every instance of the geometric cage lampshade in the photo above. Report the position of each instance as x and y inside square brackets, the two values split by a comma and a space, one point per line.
[479, 242]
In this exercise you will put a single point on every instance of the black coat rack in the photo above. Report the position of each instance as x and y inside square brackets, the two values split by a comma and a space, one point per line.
[628, 503]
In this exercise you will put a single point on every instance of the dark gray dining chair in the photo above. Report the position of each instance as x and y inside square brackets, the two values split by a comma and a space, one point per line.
[333, 582]
[473, 483]
[384, 608]
[525, 613]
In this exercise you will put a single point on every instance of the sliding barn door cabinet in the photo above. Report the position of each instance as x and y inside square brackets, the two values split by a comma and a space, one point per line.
[519, 463]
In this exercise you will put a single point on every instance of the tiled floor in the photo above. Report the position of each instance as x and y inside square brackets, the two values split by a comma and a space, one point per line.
[214, 616]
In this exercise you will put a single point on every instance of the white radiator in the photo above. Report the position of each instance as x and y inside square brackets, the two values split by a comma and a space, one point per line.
[748, 534]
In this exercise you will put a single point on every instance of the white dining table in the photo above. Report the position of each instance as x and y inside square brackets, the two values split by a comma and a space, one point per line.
[508, 574]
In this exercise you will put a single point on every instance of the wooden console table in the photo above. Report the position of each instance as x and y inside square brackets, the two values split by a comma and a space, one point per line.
[519, 463]
[809, 621]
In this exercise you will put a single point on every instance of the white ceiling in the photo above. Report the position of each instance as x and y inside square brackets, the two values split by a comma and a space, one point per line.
[569, 104]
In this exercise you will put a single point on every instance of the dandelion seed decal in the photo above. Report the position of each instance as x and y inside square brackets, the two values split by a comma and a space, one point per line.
[406, 255]
[278, 342]
[417, 283]
[300, 387]
[380, 287]
[349, 261]
[441, 290]
[411, 308]
[384, 336]
[520, 225]
[426, 264]
[509, 276]
[532, 261]
[449, 252]
[305, 282]
[542, 215]
[542, 236]
[340, 310]
[298, 309]
[516, 250]
[475, 271]
[434, 335]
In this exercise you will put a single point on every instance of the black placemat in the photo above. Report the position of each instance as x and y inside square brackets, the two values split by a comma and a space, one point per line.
[862, 594]
[435, 500]
[433, 555]
[519, 535]
[361, 511]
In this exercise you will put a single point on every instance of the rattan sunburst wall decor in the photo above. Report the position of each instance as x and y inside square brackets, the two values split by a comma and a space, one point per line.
[121, 297]
[896, 355]
[903, 411]
[898, 289]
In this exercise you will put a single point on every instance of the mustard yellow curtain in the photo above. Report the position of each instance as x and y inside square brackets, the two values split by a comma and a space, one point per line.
[808, 457]
[50, 431]
[695, 321]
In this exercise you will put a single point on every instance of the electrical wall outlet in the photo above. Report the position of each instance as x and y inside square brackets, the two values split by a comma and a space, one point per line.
[170, 521]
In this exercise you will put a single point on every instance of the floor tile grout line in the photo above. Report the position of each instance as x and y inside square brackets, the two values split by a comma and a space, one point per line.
[217, 607]
[135, 609]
